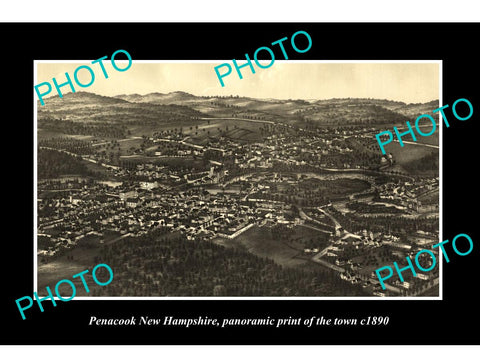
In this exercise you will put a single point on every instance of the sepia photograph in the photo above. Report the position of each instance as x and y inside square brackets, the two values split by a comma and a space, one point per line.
[273, 186]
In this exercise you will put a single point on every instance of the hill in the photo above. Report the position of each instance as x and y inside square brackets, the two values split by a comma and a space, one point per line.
[88, 107]
[79, 98]
[333, 111]
[415, 110]
[158, 107]
[176, 97]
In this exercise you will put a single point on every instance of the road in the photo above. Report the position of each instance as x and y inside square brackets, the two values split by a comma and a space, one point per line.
[337, 224]
[305, 216]
[242, 119]
[110, 242]
[420, 144]
[315, 228]
[317, 259]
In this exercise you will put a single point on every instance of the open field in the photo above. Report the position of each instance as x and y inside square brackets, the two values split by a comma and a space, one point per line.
[149, 129]
[72, 262]
[235, 129]
[408, 152]
[259, 241]
[433, 139]
[63, 268]
[311, 238]
[51, 273]
[288, 252]
[410, 157]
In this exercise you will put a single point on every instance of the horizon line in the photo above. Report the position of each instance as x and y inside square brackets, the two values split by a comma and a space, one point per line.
[231, 95]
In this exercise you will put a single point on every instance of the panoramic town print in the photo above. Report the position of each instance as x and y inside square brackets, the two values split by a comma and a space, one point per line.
[272, 186]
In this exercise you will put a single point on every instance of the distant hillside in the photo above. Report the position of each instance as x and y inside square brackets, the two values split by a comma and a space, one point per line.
[332, 111]
[159, 98]
[82, 106]
[88, 107]
[79, 98]
[414, 110]
[364, 111]
[349, 101]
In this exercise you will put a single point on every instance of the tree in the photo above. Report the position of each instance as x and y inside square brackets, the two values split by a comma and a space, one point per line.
[219, 290]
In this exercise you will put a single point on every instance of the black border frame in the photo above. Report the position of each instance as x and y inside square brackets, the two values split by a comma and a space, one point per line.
[415, 322]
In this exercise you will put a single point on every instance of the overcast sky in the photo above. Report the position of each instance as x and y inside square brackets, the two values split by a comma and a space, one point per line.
[407, 82]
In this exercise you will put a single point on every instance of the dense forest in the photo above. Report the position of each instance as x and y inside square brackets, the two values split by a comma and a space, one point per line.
[373, 208]
[52, 163]
[385, 224]
[165, 265]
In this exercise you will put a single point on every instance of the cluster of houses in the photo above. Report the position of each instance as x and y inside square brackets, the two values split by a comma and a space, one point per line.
[367, 242]
[108, 208]
[134, 207]
[406, 194]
